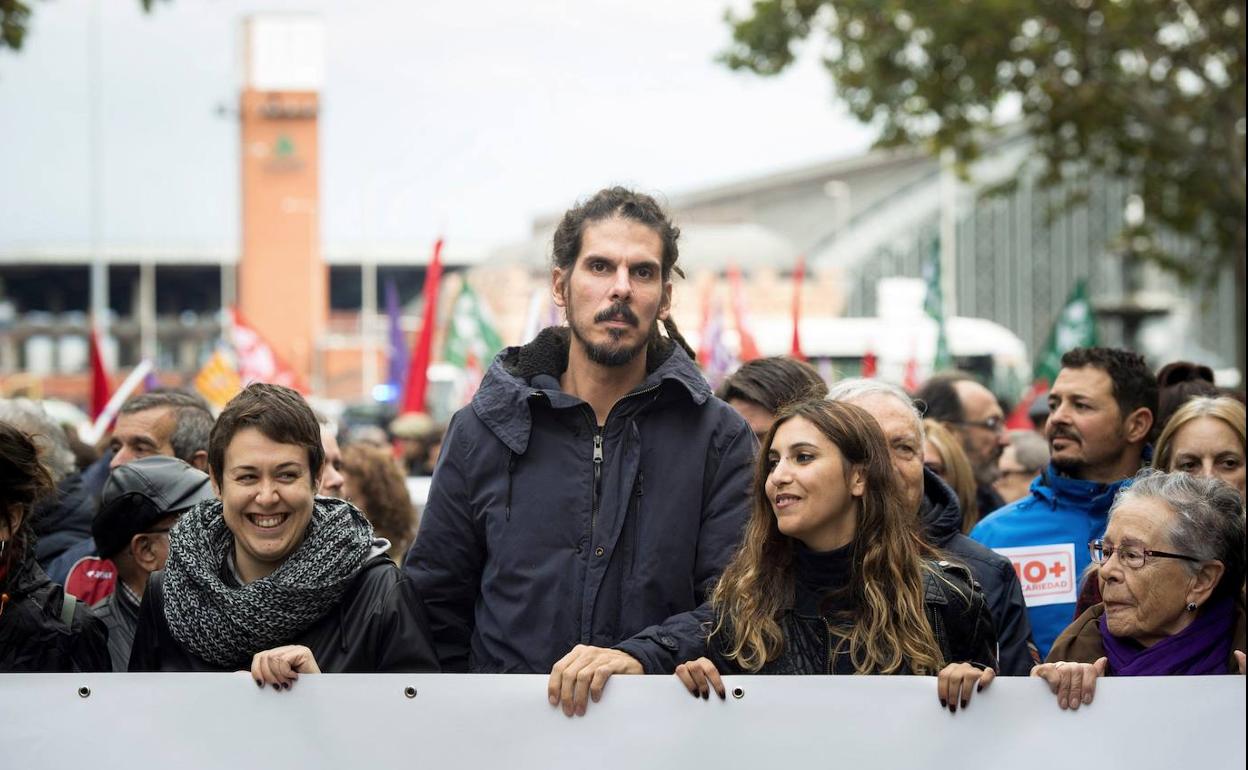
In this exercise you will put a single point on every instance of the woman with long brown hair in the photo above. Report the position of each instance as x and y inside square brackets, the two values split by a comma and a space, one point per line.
[831, 577]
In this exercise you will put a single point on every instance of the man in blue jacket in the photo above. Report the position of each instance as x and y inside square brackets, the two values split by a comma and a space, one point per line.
[587, 499]
[1100, 412]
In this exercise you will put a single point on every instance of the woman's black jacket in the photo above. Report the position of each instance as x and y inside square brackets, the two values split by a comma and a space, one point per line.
[379, 626]
[954, 606]
[33, 635]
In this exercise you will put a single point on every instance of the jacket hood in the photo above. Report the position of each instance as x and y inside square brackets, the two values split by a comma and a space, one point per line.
[939, 513]
[522, 372]
[1054, 489]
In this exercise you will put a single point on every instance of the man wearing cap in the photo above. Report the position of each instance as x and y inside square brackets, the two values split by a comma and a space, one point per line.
[415, 433]
[140, 504]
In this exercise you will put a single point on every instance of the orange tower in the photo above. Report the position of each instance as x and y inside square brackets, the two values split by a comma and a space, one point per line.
[282, 279]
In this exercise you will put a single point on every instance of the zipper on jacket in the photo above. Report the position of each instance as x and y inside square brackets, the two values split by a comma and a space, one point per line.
[593, 516]
[598, 431]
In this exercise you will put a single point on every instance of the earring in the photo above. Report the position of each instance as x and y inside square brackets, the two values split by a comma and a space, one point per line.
[3, 544]
[1191, 606]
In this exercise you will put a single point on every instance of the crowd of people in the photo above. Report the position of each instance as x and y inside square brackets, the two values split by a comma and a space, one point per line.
[597, 510]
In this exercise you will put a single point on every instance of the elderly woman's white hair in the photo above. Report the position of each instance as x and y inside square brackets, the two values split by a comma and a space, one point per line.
[854, 388]
[1208, 519]
[50, 439]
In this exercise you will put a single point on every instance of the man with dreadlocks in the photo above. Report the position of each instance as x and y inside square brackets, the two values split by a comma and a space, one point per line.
[587, 499]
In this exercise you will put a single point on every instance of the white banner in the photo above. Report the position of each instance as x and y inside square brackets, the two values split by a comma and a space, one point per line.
[191, 721]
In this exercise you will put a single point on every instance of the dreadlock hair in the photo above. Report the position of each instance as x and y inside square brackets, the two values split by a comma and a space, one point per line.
[890, 631]
[626, 204]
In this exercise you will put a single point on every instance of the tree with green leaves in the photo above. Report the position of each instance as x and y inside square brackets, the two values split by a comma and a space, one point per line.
[15, 20]
[1151, 91]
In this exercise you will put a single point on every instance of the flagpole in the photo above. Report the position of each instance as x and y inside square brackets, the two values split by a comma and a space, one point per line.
[948, 232]
[119, 397]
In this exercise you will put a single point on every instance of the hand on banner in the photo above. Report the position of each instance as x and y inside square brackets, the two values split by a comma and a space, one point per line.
[957, 682]
[582, 673]
[281, 666]
[1073, 683]
[699, 677]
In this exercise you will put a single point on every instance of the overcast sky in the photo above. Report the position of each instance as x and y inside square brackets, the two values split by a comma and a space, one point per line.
[466, 118]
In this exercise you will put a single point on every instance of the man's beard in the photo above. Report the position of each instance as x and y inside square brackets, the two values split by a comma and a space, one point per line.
[608, 354]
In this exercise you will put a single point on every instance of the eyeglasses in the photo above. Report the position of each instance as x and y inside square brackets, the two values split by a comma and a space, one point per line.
[993, 424]
[1130, 555]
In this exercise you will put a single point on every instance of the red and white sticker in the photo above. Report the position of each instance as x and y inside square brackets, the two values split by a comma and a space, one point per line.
[1047, 572]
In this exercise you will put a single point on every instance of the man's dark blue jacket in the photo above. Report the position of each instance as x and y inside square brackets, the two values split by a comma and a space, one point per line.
[543, 531]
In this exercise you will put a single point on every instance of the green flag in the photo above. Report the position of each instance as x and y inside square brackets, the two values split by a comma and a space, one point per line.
[934, 306]
[471, 339]
[1075, 327]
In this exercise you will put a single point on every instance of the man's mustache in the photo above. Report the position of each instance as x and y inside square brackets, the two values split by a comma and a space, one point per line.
[618, 312]
[1062, 432]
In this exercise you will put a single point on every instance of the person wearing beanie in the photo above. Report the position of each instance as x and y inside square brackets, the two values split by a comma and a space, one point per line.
[140, 504]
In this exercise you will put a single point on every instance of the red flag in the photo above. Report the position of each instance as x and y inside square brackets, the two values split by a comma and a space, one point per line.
[418, 371]
[749, 348]
[798, 274]
[100, 388]
[869, 364]
[256, 359]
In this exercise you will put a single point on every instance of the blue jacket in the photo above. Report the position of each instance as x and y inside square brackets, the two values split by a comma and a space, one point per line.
[1039, 533]
[542, 531]
[941, 517]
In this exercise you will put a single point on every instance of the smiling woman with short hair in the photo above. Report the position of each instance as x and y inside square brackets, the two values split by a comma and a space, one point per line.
[271, 577]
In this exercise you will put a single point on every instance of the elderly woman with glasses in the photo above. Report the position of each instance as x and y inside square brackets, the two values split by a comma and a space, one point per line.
[1171, 570]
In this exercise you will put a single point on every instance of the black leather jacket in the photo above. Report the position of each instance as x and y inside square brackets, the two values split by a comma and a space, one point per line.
[34, 638]
[941, 519]
[954, 607]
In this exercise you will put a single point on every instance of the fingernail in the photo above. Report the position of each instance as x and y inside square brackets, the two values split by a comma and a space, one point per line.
[259, 683]
[552, 700]
[706, 695]
[722, 696]
[285, 685]
[964, 704]
[953, 708]
[276, 686]
[979, 688]
[943, 704]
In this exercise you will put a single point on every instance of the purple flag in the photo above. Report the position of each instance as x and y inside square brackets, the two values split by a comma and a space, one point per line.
[398, 345]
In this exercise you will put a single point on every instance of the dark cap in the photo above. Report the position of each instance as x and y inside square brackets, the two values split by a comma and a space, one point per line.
[141, 493]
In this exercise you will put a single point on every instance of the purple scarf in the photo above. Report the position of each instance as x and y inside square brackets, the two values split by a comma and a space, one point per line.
[1202, 648]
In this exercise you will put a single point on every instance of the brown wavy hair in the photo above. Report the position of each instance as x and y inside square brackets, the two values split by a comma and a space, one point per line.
[381, 493]
[890, 632]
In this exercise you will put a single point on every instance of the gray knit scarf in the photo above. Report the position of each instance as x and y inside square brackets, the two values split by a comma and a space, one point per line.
[227, 625]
